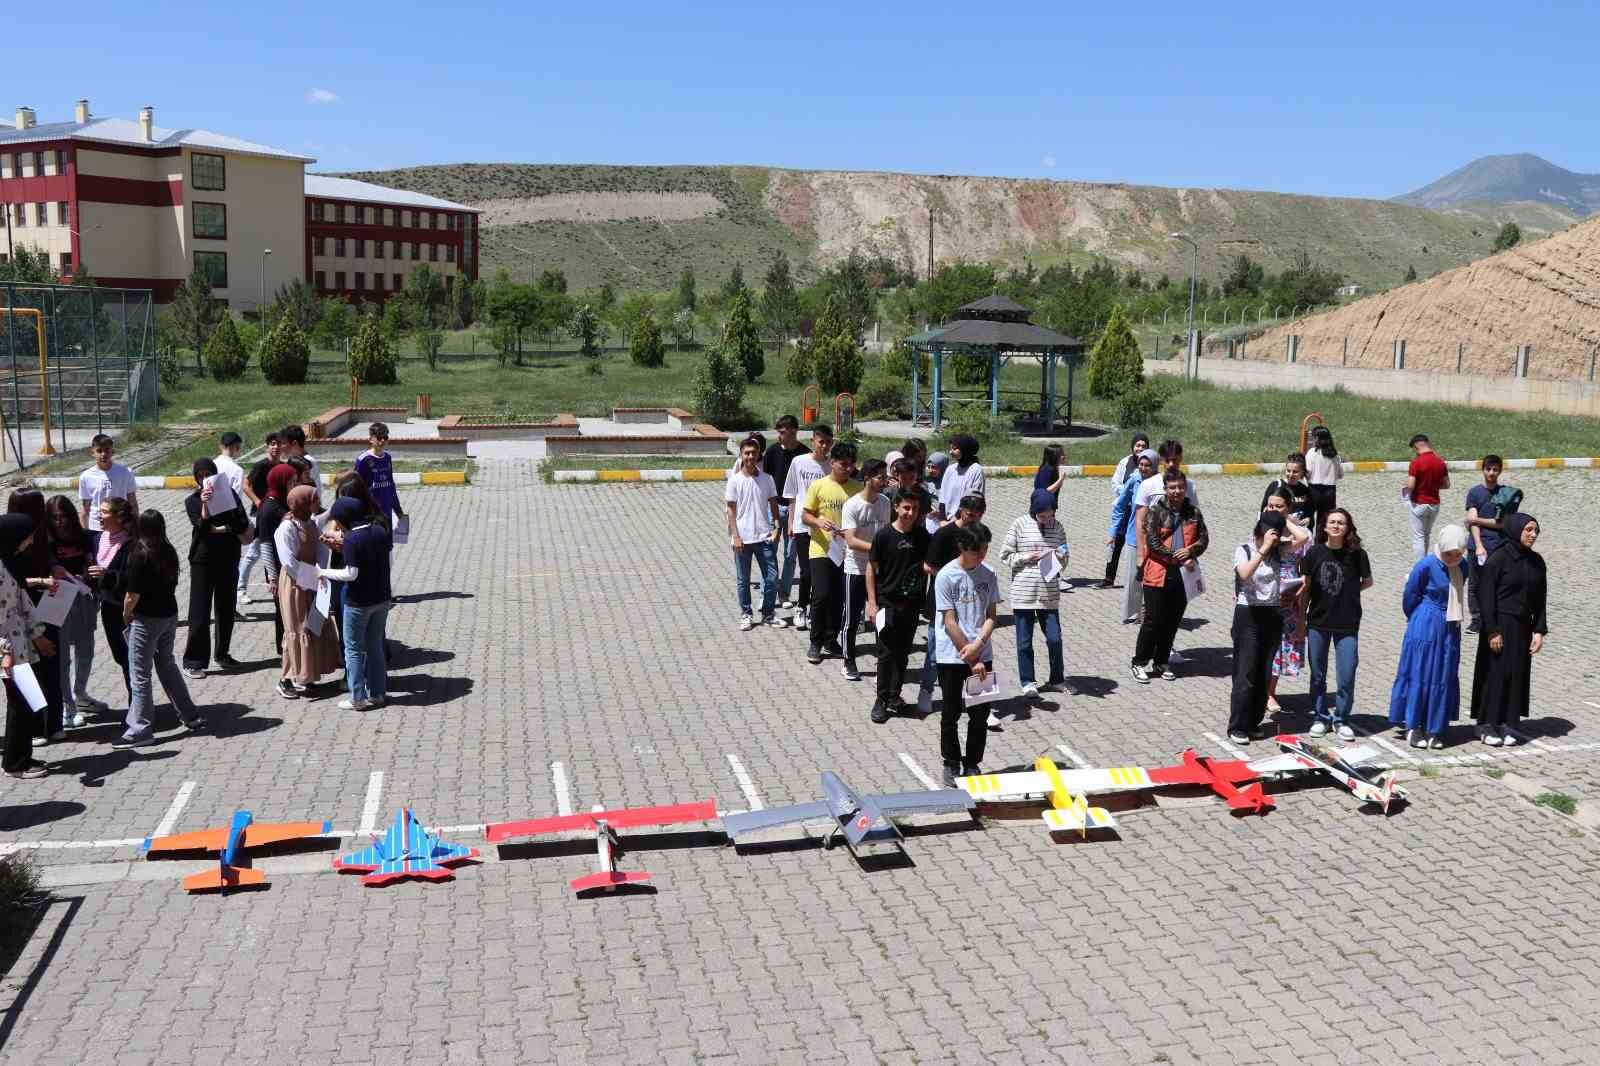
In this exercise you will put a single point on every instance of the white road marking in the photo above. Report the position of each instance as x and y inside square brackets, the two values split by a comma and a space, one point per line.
[369, 809]
[918, 772]
[1392, 749]
[1237, 753]
[558, 777]
[179, 801]
[1592, 703]
[746, 785]
[1077, 760]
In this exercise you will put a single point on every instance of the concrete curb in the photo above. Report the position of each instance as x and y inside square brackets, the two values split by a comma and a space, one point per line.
[426, 477]
[1360, 467]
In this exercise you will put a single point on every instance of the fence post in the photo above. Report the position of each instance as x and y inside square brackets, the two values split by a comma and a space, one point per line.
[1593, 352]
[1461, 355]
[1344, 359]
[1400, 354]
[1524, 353]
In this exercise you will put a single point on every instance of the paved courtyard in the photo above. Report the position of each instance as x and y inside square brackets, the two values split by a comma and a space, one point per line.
[573, 645]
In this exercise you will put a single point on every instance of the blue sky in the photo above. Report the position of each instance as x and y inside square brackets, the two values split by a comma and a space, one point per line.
[1353, 99]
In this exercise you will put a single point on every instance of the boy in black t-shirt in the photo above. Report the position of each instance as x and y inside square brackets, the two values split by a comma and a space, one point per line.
[775, 464]
[255, 490]
[1336, 570]
[897, 581]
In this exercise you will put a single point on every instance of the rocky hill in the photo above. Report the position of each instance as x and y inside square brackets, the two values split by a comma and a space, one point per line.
[1544, 293]
[1512, 179]
[640, 226]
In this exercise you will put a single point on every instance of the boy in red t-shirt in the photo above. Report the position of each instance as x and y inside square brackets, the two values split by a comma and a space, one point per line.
[1424, 478]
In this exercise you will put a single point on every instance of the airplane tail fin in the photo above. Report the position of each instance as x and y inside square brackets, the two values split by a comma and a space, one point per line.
[1387, 785]
[223, 878]
[1251, 798]
[608, 879]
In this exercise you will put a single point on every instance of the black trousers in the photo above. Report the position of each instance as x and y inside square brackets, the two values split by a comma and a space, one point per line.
[111, 622]
[1163, 613]
[212, 593]
[1116, 557]
[802, 554]
[48, 672]
[827, 600]
[1323, 499]
[855, 602]
[952, 705]
[894, 647]
[19, 730]
[1257, 632]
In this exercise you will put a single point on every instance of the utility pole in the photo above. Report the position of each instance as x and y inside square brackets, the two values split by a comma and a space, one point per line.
[930, 243]
[261, 312]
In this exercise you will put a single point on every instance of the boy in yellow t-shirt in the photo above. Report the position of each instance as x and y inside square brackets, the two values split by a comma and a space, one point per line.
[823, 511]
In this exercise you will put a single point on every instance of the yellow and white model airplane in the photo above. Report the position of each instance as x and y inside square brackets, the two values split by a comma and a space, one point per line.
[1066, 812]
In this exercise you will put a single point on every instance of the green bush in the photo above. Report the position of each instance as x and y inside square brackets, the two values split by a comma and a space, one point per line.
[718, 387]
[285, 354]
[883, 396]
[19, 883]
[835, 355]
[225, 353]
[742, 340]
[968, 369]
[899, 360]
[645, 347]
[974, 418]
[1142, 404]
[170, 367]
[797, 365]
[372, 360]
[1116, 365]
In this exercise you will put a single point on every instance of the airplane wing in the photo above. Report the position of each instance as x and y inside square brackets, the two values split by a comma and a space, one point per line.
[998, 788]
[1077, 819]
[402, 868]
[623, 818]
[362, 860]
[201, 840]
[736, 825]
[256, 834]
[929, 802]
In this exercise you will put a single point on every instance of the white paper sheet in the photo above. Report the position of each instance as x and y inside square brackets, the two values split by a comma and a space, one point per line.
[836, 548]
[53, 607]
[1194, 581]
[222, 497]
[320, 608]
[305, 576]
[1050, 567]
[27, 684]
[982, 691]
[881, 621]
[402, 530]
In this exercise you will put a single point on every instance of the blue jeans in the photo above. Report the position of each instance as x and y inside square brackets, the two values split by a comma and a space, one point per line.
[766, 552]
[77, 637]
[150, 643]
[365, 667]
[1346, 659]
[1050, 622]
[790, 546]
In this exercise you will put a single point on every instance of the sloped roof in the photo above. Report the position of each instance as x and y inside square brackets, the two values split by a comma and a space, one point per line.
[1007, 336]
[995, 306]
[127, 132]
[350, 189]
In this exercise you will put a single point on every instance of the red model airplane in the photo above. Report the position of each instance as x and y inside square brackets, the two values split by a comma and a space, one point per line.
[1223, 778]
[608, 846]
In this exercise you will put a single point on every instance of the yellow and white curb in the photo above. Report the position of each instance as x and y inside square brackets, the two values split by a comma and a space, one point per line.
[426, 477]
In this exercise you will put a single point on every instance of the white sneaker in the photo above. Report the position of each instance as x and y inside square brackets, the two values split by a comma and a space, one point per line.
[1030, 690]
[994, 721]
[1346, 733]
[802, 619]
[787, 605]
[1140, 674]
[77, 720]
[1492, 739]
[1508, 738]
[1319, 728]
[746, 623]
[244, 597]
[349, 704]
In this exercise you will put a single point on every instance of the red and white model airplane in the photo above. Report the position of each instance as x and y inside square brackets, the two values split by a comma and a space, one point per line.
[608, 846]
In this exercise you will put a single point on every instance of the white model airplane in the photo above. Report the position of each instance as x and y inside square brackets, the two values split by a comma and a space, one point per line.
[1342, 766]
[1067, 811]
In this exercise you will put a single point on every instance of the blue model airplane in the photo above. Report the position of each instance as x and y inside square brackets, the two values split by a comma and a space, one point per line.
[242, 832]
[406, 850]
[865, 822]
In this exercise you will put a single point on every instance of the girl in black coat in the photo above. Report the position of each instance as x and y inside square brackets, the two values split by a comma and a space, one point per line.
[1511, 595]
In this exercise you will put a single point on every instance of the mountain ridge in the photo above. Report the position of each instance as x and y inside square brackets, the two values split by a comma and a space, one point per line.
[1507, 179]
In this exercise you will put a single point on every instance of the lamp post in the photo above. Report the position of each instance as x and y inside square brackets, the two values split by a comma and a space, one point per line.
[262, 310]
[1193, 270]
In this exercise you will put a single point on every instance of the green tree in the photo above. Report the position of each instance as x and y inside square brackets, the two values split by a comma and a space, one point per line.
[552, 280]
[31, 266]
[336, 324]
[395, 320]
[734, 285]
[1115, 365]
[847, 284]
[644, 343]
[515, 309]
[586, 326]
[685, 298]
[285, 353]
[196, 312]
[462, 306]
[780, 307]
[1411, 274]
[835, 354]
[718, 387]
[555, 308]
[372, 360]
[741, 340]
[225, 352]
[1510, 236]
[424, 297]
[1244, 278]
[681, 326]
[798, 366]
[429, 341]
[954, 284]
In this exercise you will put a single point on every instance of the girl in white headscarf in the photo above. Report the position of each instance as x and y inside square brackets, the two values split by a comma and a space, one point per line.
[1427, 689]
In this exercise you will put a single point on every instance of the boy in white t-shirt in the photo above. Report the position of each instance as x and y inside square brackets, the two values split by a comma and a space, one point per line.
[753, 528]
[864, 514]
[102, 481]
[227, 461]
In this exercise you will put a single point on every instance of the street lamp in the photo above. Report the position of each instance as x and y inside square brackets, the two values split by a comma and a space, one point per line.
[1193, 270]
[265, 252]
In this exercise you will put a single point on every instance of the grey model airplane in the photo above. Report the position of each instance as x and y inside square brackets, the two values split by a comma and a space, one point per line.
[865, 822]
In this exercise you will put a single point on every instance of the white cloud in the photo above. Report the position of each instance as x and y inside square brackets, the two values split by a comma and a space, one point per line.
[1048, 162]
[321, 96]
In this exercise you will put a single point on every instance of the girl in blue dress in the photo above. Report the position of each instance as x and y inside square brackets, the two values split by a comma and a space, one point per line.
[1427, 689]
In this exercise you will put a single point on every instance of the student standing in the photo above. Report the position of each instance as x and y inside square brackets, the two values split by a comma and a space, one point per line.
[1052, 471]
[38, 569]
[1424, 478]
[150, 612]
[913, 449]
[1121, 530]
[365, 546]
[963, 477]
[292, 445]
[942, 551]
[1172, 539]
[1336, 572]
[1125, 465]
[824, 511]
[753, 528]
[1426, 696]
[214, 549]
[1294, 488]
[307, 656]
[274, 508]
[1324, 469]
[897, 581]
[105, 480]
[1290, 657]
[1487, 506]
[1257, 624]
[376, 470]
[775, 463]
[1513, 591]
[1031, 540]
[802, 472]
[864, 514]
[110, 562]
[907, 475]
[69, 544]
[965, 594]
[227, 462]
[21, 640]
[255, 490]
[1151, 490]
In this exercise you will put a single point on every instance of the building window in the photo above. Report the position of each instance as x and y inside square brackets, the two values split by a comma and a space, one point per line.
[61, 160]
[349, 213]
[416, 250]
[399, 282]
[209, 172]
[377, 282]
[322, 280]
[449, 284]
[215, 267]
[338, 249]
[394, 249]
[338, 280]
[388, 216]
[5, 165]
[41, 214]
[408, 220]
[66, 262]
[433, 253]
[449, 253]
[318, 244]
[25, 165]
[361, 247]
[19, 215]
[63, 213]
[211, 220]
[361, 281]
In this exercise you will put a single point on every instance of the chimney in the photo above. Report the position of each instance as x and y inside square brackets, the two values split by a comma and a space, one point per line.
[147, 123]
[25, 118]
[80, 113]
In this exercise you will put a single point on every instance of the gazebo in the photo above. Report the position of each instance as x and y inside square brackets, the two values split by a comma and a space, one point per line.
[996, 329]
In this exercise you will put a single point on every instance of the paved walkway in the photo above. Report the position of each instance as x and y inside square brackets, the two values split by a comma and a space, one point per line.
[579, 644]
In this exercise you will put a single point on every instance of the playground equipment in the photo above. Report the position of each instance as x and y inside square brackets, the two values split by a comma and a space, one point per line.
[809, 411]
[44, 371]
[844, 413]
[1305, 430]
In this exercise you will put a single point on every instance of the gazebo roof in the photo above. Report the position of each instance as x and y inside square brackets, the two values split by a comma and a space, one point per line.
[994, 307]
[1003, 335]
[925, 336]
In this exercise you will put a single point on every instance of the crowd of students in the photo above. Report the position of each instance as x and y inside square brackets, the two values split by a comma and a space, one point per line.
[901, 541]
[326, 569]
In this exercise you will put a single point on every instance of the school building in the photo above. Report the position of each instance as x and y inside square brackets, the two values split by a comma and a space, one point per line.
[140, 206]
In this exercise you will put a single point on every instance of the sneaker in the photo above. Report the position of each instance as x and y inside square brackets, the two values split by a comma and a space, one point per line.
[196, 724]
[1417, 738]
[971, 769]
[769, 620]
[948, 775]
[880, 713]
[228, 662]
[832, 648]
[1030, 691]
[814, 655]
[30, 772]
[76, 720]
[89, 703]
[1106, 585]
[1167, 674]
[786, 605]
[1346, 733]
[1435, 743]
[802, 618]
[194, 673]
[745, 623]
[1508, 738]
[995, 721]
[849, 670]
[1401, 731]
[374, 702]
[1140, 674]
[287, 690]
[1260, 732]
[1491, 739]
[126, 741]
[352, 704]
[1239, 738]
[304, 690]
[244, 597]
[925, 703]
[1319, 728]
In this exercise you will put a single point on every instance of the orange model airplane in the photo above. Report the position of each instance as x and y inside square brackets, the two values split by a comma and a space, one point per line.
[232, 871]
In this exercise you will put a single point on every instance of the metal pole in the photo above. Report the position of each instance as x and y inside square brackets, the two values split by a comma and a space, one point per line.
[94, 345]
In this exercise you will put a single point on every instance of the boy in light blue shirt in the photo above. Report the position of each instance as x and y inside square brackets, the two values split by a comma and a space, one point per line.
[964, 596]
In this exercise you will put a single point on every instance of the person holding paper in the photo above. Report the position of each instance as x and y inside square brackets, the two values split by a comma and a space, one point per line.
[375, 467]
[69, 543]
[150, 611]
[306, 655]
[214, 550]
[965, 594]
[1291, 653]
[1035, 553]
[897, 583]
[823, 511]
[1172, 537]
[364, 544]
[22, 640]
[38, 576]
[1257, 623]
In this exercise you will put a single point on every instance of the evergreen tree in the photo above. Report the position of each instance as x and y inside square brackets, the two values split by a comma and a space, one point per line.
[1244, 278]
[196, 313]
[740, 339]
[718, 386]
[734, 285]
[685, 299]
[586, 326]
[225, 353]
[645, 346]
[780, 306]
[798, 365]
[835, 355]
[1510, 236]
[1116, 366]
[372, 360]
[285, 353]
[1411, 274]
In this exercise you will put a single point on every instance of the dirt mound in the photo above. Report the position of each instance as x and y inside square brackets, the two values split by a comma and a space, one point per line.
[598, 207]
[1545, 294]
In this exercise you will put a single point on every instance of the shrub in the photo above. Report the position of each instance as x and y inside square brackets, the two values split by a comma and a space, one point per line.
[899, 360]
[372, 360]
[429, 341]
[19, 882]
[797, 367]
[645, 346]
[1142, 404]
[883, 396]
[1115, 365]
[969, 369]
[285, 354]
[170, 367]
[225, 353]
[718, 387]
[974, 418]
[835, 355]
[741, 339]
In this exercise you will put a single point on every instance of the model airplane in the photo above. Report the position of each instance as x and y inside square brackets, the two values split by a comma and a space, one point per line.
[865, 822]
[1341, 766]
[242, 832]
[406, 850]
[1068, 811]
[608, 846]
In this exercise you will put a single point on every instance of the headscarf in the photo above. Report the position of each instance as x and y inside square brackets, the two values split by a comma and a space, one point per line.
[1041, 500]
[14, 529]
[1148, 453]
[1514, 525]
[279, 481]
[1452, 538]
[939, 460]
[302, 498]
[348, 512]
